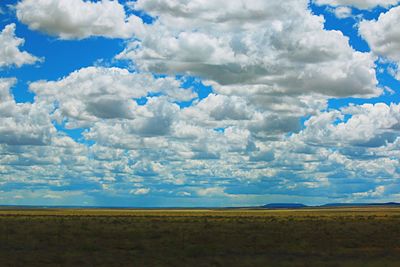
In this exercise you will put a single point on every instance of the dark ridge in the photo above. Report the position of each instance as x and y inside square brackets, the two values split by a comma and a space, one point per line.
[360, 204]
[329, 205]
[267, 206]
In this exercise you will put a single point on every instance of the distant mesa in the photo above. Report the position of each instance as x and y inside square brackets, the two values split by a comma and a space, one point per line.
[329, 205]
[284, 206]
[361, 204]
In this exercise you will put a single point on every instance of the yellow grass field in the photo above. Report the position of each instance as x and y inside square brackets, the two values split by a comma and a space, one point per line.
[367, 236]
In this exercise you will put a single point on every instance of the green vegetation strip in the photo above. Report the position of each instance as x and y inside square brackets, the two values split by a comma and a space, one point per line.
[364, 237]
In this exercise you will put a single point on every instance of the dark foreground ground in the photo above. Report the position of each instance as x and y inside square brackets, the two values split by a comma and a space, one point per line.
[310, 237]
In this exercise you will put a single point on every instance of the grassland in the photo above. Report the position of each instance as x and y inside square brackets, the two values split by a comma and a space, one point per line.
[99, 237]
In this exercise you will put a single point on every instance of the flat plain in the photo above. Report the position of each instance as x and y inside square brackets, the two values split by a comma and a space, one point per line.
[367, 236]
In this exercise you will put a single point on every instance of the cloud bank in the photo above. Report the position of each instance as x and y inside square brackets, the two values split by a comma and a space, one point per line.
[221, 102]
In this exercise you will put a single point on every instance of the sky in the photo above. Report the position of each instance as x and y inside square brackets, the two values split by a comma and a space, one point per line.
[178, 103]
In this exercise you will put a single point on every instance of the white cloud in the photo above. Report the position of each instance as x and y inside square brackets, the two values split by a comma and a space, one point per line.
[361, 4]
[246, 49]
[95, 93]
[212, 192]
[268, 69]
[22, 123]
[367, 125]
[45, 197]
[52, 196]
[219, 111]
[184, 194]
[78, 19]
[382, 35]
[140, 191]
[342, 12]
[10, 54]
[377, 192]
[270, 64]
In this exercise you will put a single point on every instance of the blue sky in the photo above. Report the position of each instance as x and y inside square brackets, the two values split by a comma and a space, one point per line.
[155, 103]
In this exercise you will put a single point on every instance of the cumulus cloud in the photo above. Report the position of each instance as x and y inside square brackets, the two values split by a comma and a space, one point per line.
[140, 191]
[373, 193]
[361, 4]
[10, 54]
[22, 123]
[78, 19]
[270, 64]
[219, 111]
[366, 126]
[342, 12]
[382, 34]
[212, 192]
[267, 69]
[245, 48]
[95, 93]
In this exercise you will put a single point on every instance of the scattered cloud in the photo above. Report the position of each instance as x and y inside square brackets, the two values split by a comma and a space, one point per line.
[381, 35]
[260, 126]
[140, 191]
[10, 54]
[245, 49]
[22, 123]
[95, 93]
[78, 19]
[212, 192]
[342, 12]
[361, 4]
[374, 193]
[366, 126]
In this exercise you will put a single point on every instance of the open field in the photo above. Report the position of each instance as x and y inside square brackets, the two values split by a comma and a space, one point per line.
[100, 237]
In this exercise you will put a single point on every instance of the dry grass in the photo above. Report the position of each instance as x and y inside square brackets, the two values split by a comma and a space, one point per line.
[306, 237]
